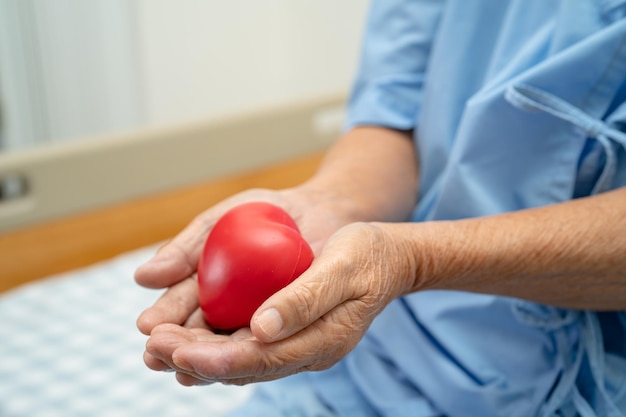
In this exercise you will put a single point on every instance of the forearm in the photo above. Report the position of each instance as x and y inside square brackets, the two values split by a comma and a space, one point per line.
[569, 255]
[371, 173]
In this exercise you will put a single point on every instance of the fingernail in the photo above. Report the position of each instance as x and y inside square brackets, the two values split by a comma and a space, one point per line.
[270, 322]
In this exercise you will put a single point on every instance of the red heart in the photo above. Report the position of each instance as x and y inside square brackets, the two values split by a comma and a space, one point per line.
[254, 250]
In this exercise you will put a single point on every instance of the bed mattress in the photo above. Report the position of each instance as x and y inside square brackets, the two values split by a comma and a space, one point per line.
[69, 347]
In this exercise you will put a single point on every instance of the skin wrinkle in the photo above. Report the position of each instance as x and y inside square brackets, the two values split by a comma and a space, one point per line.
[398, 256]
[424, 267]
[183, 302]
[331, 328]
[195, 241]
[266, 364]
[567, 248]
[535, 254]
[307, 302]
[376, 264]
[343, 342]
[275, 364]
[219, 365]
[204, 225]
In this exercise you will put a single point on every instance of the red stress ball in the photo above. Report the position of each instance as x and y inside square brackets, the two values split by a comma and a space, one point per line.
[253, 251]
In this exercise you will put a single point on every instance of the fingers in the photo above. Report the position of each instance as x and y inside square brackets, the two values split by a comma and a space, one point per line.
[309, 325]
[177, 259]
[154, 363]
[159, 351]
[336, 276]
[177, 305]
[359, 263]
[238, 361]
[167, 340]
[300, 304]
[190, 380]
[184, 350]
[232, 363]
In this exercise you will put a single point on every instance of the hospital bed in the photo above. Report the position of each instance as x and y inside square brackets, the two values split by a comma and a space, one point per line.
[68, 303]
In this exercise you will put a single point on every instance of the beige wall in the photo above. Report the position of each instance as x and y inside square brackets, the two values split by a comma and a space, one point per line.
[215, 57]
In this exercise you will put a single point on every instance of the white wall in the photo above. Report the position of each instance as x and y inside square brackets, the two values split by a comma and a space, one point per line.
[214, 57]
[67, 69]
[104, 66]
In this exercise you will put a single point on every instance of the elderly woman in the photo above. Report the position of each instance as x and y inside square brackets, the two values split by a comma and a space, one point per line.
[469, 227]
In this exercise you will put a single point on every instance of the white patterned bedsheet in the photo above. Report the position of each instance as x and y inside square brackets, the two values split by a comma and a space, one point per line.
[69, 347]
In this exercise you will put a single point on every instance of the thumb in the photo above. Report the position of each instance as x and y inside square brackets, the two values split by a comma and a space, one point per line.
[298, 305]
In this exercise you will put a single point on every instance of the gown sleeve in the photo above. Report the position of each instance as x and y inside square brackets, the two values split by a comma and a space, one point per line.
[387, 90]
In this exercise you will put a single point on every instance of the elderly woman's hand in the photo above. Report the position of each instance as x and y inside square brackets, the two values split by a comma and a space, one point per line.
[309, 325]
[369, 174]
[174, 266]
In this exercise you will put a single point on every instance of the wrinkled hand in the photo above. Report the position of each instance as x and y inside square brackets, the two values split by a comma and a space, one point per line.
[309, 325]
[174, 265]
[176, 262]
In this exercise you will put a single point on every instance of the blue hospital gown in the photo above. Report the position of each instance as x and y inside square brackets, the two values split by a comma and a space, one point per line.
[514, 104]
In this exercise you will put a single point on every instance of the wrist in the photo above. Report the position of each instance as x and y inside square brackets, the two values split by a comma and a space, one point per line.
[409, 273]
[369, 174]
[345, 208]
[437, 255]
